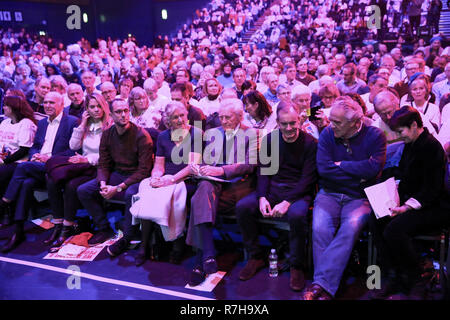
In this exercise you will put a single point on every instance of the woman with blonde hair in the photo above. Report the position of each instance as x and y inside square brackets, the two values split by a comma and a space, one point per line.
[420, 91]
[210, 103]
[141, 114]
[63, 190]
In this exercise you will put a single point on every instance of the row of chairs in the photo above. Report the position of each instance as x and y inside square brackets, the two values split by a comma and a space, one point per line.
[440, 240]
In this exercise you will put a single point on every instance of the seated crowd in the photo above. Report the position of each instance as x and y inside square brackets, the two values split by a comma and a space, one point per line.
[193, 134]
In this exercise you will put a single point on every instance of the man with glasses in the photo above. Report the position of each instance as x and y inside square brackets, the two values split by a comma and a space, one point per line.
[350, 157]
[109, 91]
[411, 67]
[376, 84]
[284, 195]
[442, 87]
[125, 159]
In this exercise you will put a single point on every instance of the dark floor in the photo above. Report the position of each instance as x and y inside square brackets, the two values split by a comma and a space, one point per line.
[22, 278]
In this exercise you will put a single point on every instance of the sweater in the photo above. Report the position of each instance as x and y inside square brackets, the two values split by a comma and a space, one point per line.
[361, 162]
[129, 154]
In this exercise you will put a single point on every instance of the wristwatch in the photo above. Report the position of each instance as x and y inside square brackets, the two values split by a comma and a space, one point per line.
[119, 189]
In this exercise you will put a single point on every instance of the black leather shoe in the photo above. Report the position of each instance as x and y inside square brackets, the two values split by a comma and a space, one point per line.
[66, 233]
[196, 277]
[141, 256]
[6, 219]
[14, 241]
[55, 234]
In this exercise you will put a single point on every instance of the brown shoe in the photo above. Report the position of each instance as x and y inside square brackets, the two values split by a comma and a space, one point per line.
[251, 268]
[316, 292]
[297, 280]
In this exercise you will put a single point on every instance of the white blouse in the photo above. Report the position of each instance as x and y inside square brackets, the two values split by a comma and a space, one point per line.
[14, 136]
[90, 144]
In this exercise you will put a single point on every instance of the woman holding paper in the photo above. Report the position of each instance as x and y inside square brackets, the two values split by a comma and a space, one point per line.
[424, 205]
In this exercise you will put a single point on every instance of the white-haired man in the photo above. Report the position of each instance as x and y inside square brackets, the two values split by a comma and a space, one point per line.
[163, 87]
[350, 156]
[157, 101]
[262, 84]
[211, 196]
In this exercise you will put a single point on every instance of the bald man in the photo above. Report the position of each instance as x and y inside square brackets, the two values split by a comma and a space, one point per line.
[109, 91]
[52, 139]
[76, 96]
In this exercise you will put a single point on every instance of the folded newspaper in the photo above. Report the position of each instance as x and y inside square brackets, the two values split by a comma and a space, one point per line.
[383, 197]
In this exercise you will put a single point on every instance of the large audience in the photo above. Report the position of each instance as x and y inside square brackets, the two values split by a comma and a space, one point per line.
[192, 126]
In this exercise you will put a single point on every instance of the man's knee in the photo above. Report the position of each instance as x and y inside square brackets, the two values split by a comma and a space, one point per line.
[86, 191]
[246, 205]
[204, 189]
[298, 211]
[130, 192]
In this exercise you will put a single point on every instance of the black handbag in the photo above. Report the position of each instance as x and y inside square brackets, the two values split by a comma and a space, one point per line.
[59, 169]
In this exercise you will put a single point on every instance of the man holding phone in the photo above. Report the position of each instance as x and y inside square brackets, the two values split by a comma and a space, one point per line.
[284, 195]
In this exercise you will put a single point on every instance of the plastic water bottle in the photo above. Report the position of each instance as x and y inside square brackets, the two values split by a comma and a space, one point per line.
[273, 264]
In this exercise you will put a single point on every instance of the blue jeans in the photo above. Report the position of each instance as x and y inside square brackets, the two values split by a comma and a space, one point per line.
[337, 222]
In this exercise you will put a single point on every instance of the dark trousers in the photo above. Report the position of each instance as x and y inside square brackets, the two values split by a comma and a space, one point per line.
[90, 198]
[63, 197]
[394, 237]
[6, 173]
[27, 177]
[247, 214]
[209, 199]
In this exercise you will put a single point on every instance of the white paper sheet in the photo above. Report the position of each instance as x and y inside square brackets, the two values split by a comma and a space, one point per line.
[211, 281]
[383, 197]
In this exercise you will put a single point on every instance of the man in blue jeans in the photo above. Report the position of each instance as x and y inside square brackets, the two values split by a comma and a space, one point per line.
[350, 157]
[125, 160]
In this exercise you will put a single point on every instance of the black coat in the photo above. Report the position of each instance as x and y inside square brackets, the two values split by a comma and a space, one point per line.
[422, 170]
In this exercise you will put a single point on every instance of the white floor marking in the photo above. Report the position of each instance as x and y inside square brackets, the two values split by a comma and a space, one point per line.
[106, 280]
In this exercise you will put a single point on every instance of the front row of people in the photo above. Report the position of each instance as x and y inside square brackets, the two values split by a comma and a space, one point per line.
[231, 169]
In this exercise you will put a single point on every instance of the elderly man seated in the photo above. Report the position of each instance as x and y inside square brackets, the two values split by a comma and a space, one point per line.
[286, 193]
[386, 102]
[350, 157]
[227, 157]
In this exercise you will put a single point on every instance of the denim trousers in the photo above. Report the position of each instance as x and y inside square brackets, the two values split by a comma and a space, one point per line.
[337, 222]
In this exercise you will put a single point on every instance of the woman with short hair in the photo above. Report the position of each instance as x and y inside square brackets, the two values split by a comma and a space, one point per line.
[420, 90]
